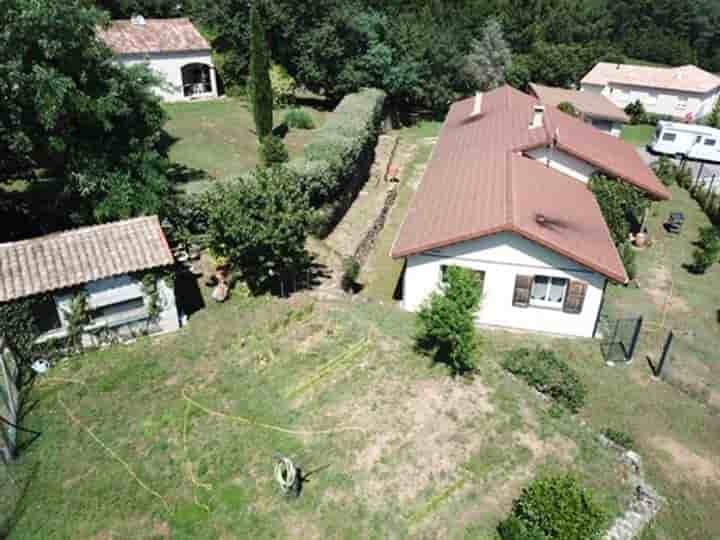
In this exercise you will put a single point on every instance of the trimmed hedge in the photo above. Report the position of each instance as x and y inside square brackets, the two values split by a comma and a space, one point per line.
[548, 374]
[338, 156]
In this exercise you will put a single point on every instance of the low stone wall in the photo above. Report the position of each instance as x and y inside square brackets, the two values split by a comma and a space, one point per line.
[645, 502]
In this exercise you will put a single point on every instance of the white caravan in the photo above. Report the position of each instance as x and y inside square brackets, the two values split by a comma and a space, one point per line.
[692, 141]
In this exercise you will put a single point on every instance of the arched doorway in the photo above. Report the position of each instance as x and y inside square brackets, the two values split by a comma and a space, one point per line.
[197, 80]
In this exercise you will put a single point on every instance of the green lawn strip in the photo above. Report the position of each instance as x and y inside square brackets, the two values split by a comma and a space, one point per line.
[638, 135]
[381, 280]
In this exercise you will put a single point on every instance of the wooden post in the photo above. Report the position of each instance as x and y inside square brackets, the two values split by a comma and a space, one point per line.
[635, 337]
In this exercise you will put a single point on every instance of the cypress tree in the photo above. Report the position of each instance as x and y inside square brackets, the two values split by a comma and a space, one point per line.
[260, 86]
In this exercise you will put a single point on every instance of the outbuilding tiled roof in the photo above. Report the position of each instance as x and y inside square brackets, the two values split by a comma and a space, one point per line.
[153, 36]
[683, 78]
[478, 183]
[589, 103]
[79, 256]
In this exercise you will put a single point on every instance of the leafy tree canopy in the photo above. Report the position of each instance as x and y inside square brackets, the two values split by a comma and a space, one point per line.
[68, 112]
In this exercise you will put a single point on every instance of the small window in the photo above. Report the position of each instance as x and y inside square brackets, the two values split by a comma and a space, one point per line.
[698, 139]
[119, 309]
[652, 98]
[669, 137]
[682, 103]
[548, 291]
[710, 142]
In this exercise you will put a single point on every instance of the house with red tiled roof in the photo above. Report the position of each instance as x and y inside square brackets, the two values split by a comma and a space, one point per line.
[592, 108]
[505, 194]
[172, 48]
[104, 264]
[685, 92]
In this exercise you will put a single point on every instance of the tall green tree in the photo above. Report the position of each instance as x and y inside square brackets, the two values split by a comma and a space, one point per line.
[69, 112]
[259, 222]
[260, 84]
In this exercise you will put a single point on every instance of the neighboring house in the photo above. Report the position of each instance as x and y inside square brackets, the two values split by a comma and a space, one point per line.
[686, 92]
[104, 262]
[172, 48]
[594, 109]
[504, 194]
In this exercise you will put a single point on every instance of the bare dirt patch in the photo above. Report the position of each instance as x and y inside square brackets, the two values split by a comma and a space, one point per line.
[691, 465]
[426, 437]
[658, 286]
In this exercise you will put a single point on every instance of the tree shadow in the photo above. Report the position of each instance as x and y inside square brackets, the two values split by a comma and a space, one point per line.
[318, 103]
[166, 142]
[182, 174]
[281, 130]
[188, 294]
[21, 505]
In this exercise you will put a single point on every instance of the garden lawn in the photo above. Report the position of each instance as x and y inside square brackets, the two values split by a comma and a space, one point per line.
[639, 135]
[218, 137]
[391, 445]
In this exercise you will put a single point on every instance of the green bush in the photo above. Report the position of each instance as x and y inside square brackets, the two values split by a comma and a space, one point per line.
[619, 437]
[283, 86]
[351, 270]
[636, 112]
[618, 200]
[273, 151]
[568, 108]
[665, 170]
[547, 373]
[708, 250]
[333, 152]
[628, 258]
[446, 323]
[554, 508]
[296, 118]
[683, 177]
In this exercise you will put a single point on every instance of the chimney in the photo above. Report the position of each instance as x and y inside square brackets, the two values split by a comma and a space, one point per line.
[537, 117]
[477, 105]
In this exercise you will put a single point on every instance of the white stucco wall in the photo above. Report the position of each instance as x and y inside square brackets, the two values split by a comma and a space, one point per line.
[658, 101]
[563, 162]
[502, 257]
[169, 67]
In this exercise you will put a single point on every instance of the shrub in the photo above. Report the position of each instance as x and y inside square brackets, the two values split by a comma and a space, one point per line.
[628, 258]
[298, 119]
[273, 151]
[283, 86]
[636, 112]
[554, 508]
[619, 437]
[569, 108]
[665, 170]
[351, 270]
[336, 151]
[447, 321]
[618, 202]
[547, 373]
[683, 177]
[708, 250]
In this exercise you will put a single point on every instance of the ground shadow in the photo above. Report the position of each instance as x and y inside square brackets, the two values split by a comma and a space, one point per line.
[166, 142]
[319, 103]
[182, 174]
[188, 294]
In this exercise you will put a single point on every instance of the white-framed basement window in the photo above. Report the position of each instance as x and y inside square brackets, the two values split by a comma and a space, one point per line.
[548, 291]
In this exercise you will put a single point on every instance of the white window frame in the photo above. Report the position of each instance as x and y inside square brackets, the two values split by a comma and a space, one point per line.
[682, 103]
[707, 142]
[544, 302]
[652, 98]
[669, 137]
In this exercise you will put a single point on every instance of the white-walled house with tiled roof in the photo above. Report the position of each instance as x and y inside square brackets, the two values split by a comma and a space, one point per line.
[172, 48]
[685, 92]
[105, 263]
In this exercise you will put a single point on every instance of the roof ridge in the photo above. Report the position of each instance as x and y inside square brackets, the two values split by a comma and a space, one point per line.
[509, 190]
[83, 229]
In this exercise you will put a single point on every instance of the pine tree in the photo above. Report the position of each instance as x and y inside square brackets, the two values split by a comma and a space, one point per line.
[261, 96]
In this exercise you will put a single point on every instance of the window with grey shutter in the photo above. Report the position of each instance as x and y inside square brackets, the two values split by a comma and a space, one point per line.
[575, 297]
[521, 297]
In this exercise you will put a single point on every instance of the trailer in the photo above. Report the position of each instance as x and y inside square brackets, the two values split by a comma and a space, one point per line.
[686, 141]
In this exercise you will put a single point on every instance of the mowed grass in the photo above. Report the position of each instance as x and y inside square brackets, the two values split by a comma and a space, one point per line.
[393, 447]
[218, 136]
[639, 135]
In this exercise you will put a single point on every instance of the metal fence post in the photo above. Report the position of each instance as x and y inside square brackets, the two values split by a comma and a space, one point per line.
[635, 337]
[666, 350]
